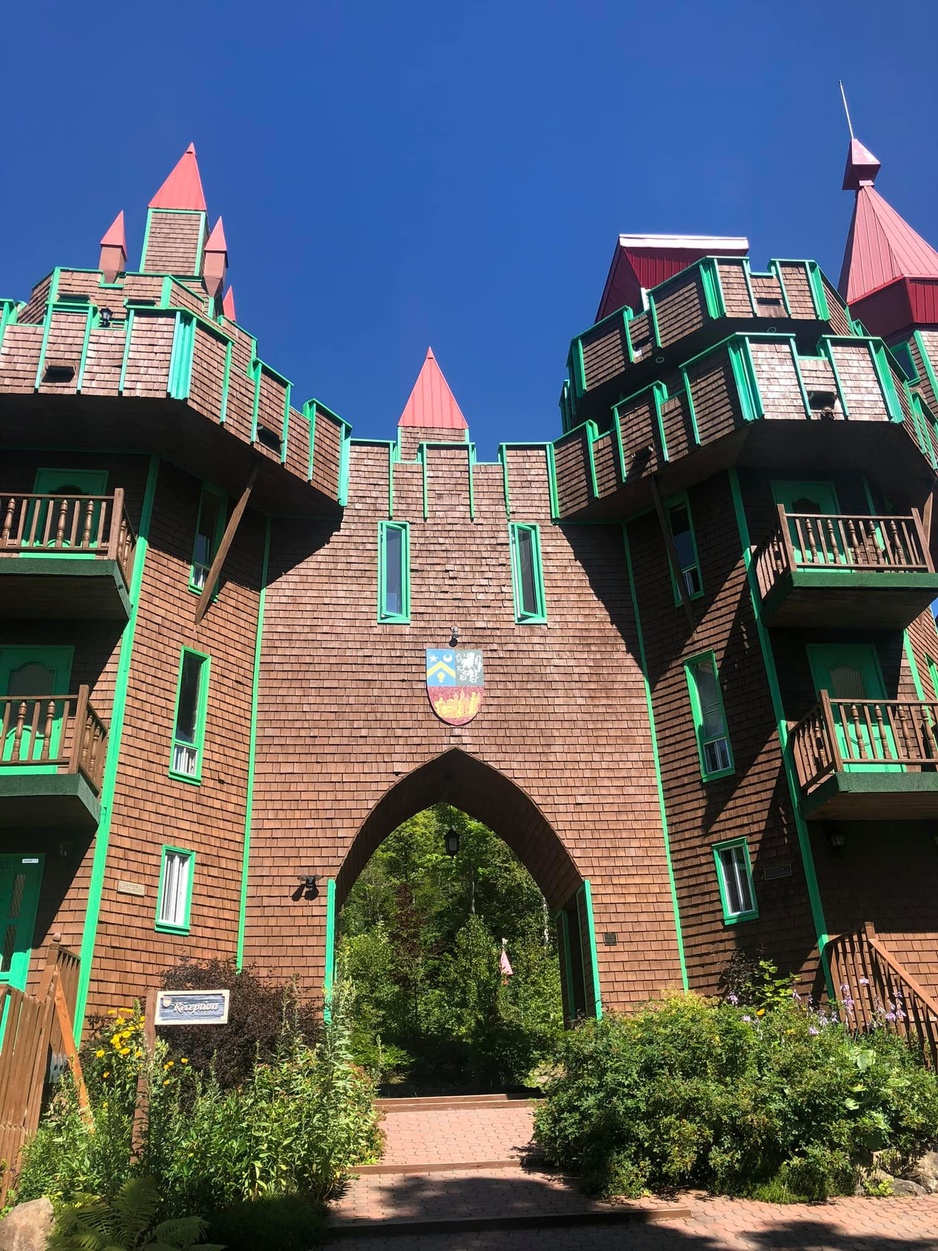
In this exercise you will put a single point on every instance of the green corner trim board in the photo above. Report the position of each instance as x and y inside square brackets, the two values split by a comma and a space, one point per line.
[99, 862]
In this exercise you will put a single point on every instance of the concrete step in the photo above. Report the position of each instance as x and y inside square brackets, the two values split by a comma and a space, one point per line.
[449, 1103]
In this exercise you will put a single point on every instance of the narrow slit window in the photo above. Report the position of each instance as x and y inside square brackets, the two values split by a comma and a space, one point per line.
[527, 575]
[685, 544]
[174, 897]
[713, 743]
[734, 876]
[208, 534]
[394, 571]
[189, 727]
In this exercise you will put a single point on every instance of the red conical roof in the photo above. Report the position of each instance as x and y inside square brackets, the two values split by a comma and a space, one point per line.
[228, 305]
[881, 246]
[183, 188]
[432, 404]
[216, 240]
[114, 236]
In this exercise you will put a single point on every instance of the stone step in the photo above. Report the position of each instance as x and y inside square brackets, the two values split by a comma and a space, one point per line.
[449, 1103]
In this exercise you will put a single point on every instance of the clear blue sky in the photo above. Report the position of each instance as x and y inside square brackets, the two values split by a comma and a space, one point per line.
[402, 174]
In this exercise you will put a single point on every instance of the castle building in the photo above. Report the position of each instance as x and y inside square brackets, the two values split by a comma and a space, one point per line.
[681, 658]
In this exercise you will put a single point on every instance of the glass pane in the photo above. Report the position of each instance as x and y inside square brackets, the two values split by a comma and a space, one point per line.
[9, 948]
[847, 682]
[713, 724]
[527, 572]
[716, 755]
[393, 571]
[16, 896]
[736, 880]
[175, 888]
[188, 709]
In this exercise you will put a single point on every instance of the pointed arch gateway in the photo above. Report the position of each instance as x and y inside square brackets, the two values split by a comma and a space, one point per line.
[489, 796]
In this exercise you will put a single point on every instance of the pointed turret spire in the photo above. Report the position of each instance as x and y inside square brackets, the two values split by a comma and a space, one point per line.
[215, 262]
[883, 251]
[113, 259]
[432, 404]
[228, 305]
[183, 188]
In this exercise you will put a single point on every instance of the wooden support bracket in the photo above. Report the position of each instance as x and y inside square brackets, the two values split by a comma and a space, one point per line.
[227, 539]
[672, 554]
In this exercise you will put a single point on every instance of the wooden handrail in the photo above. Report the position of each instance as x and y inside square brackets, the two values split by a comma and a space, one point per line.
[95, 525]
[62, 732]
[838, 734]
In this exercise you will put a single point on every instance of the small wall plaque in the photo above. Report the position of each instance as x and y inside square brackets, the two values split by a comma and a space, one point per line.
[130, 888]
[776, 870]
[192, 1007]
[610, 939]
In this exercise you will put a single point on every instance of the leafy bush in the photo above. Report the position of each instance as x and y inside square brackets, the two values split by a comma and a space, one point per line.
[125, 1223]
[279, 1223]
[256, 1011]
[772, 1104]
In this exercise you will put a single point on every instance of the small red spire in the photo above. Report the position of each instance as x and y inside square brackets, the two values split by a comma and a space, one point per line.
[861, 168]
[215, 264]
[228, 305]
[183, 188]
[431, 403]
[113, 260]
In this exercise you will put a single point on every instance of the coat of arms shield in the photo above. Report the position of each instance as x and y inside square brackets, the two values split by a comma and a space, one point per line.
[454, 683]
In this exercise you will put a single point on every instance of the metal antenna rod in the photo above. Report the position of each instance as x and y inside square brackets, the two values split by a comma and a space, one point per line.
[843, 96]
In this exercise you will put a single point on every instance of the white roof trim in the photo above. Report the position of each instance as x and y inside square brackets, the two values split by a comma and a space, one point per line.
[696, 243]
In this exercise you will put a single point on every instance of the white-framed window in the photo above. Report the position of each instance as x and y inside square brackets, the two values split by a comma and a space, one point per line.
[174, 897]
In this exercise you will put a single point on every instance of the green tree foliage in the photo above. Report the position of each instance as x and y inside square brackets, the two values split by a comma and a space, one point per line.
[421, 935]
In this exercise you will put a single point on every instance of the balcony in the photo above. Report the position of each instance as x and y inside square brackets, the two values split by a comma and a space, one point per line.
[52, 751]
[868, 759]
[65, 556]
[820, 569]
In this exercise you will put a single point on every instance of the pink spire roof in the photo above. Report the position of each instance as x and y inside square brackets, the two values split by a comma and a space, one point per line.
[114, 236]
[432, 404]
[228, 305]
[183, 188]
[881, 246]
[216, 240]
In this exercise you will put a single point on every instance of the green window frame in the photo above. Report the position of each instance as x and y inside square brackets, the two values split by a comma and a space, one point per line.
[209, 528]
[706, 700]
[174, 893]
[734, 878]
[685, 544]
[933, 673]
[394, 572]
[527, 574]
[185, 762]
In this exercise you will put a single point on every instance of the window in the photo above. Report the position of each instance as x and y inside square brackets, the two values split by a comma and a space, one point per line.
[394, 571]
[526, 576]
[208, 533]
[175, 891]
[903, 355]
[189, 728]
[734, 875]
[706, 701]
[682, 532]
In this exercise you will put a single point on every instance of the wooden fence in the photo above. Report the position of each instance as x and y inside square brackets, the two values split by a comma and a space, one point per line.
[35, 1029]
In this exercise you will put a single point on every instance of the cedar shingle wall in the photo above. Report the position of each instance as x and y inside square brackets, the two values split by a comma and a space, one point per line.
[174, 243]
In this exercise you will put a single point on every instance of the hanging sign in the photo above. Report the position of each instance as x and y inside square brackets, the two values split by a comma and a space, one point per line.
[192, 1007]
[454, 683]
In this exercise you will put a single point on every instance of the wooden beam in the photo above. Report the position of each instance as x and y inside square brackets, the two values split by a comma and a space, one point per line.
[226, 540]
[67, 1030]
[672, 554]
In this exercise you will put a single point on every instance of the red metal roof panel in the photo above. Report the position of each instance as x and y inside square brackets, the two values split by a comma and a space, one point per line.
[183, 188]
[431, 403]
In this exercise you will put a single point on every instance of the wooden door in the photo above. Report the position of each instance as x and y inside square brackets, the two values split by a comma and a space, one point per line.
[850, 672]
[20, 878]
[33, 682]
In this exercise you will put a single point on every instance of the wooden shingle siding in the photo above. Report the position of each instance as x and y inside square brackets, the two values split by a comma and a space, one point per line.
[605, 459]
[151, 346]
[777, 379]
[143, 287]
[817, 375]
[681, 308]
[174, 243]
[241, 387]
[574, 489]
[64, 347]
[605, 352]
[735, 289]
[639, 431]
[641, 331]
[103, 361]
[35, 309]
[19, 357]
[859, 382]
[716, 399]
[768, 296]
[208, 372]
[840, 322]
[326, 454]
[678, 431]
[298, 444]
[797, 289]
[273, 398]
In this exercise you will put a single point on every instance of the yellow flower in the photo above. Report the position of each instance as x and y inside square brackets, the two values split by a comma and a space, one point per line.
[125, 1011]
[105, 1075]
[166, 1083]
[124, 1051]
[137, 1055]
[169, 1064]
[761, 1012]
[100, 1053]
[184, 1060]
[112, 1012]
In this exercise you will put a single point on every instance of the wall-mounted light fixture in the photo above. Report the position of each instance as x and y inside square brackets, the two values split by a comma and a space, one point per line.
[454, 636]
[837, 839]
[308, 886]
[104, 317]
[451, 842]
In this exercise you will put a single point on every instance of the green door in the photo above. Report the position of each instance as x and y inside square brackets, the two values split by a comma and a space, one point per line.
[32, 728]
[815, 542]
[851, 675]
[20, 877]
[77, 517]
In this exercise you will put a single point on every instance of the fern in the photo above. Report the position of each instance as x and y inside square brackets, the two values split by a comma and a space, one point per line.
[93, 1224]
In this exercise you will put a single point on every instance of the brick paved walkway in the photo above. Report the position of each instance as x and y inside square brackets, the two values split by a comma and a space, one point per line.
[381, 1200]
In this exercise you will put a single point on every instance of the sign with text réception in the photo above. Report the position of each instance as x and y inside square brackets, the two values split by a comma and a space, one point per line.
[192, 1007]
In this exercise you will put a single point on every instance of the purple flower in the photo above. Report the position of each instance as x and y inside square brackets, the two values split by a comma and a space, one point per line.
[813, 1030]
[748, 1018]
[733, 999]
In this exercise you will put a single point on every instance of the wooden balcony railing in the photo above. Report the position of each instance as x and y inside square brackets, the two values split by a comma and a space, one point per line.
[52, 733]
[827, 541]
[875, 991]
[844, 734]
[80, 525]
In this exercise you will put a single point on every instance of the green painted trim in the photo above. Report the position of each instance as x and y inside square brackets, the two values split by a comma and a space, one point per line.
[92, 315]
[309, 412]
[818, 294]
[393, 456]
[730, 917]
[674, 502]
[180, 361]
[146, 242]
[775, 270]
[593, 954]
[643, 664]
[163, 926]
[691, 406]
[386, 617]
[750, 290]
[252, 753]
[470, 467]
[579, 369]
[744, 374]
[627, 317]
[221, 518]
[504, 461]
[887, 383]
[115, 733]
[539, 615]
[927, 363]
[225, 384]
[7, 317]
[876, 782]
[659, 394]
[329, 974]
[616, 428]
[708, 775]
[198, 742]
[566, 964]
[804, 840]
[806, 403]
[552, 483]
[345, 452]
[913, 665]
[825, 350]
[288, 392]
[653, 317]
[422, 453]
[712, 288]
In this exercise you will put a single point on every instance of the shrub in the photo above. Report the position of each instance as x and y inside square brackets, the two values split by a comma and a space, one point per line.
[256, 1011]
[280, 1223]
[125, 1223]
[775, 1104]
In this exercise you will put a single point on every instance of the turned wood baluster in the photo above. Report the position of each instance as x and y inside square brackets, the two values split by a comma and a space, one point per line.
[8, 521]
[18, 732]
[88, 510]
[47, 729]
[855, 550]
[60, 523]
